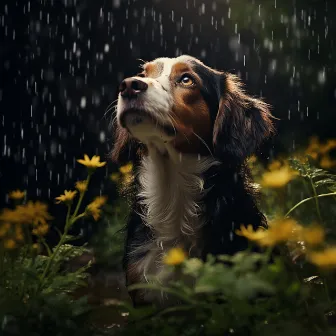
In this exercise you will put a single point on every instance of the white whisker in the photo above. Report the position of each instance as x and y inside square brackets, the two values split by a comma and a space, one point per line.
[204, 143]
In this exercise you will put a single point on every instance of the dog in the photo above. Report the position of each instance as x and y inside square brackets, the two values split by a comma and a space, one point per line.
[189, 130]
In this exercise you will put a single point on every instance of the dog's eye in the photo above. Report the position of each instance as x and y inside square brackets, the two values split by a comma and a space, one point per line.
[142, 74]
[187, 80]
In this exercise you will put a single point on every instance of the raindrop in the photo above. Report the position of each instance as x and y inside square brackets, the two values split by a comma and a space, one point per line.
[321, 77]
[83, 102]
[102, 136]
[116, 3]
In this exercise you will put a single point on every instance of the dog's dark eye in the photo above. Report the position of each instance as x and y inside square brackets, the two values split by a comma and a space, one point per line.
[187, 80]
[142, 74]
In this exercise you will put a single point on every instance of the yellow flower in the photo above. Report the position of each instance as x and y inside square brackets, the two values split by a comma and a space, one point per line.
[280, 230]
[17, 194]
[278, 178]
[67, 197]
[252, 159]
[127, 179]
[313, 147]
[100, 200]
[94, 208]
[12, 216]
[313, 235]
[326, 162]
[30, 213]
[19, 234]
[175, 256]
[81, 186]
[41, 230]
[4, 228]
[115, 177]
[94, 211]
[250, 234]
[36, 213]
[274, 165]
[324, 259]
[126, 169]
[330, 145]
[9, 244]
[92, 163]
[36, 247]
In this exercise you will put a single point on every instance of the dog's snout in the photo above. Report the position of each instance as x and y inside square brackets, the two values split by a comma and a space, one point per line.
[131, 87]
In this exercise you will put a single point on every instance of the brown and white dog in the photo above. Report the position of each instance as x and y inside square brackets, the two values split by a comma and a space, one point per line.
[192, 128]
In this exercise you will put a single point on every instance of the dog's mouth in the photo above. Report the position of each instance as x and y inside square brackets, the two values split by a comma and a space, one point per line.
[135, 117]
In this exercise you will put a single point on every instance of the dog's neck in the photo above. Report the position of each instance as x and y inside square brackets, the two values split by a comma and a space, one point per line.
[171, 191]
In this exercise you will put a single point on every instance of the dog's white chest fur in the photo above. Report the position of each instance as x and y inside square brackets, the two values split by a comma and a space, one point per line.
[171, 192]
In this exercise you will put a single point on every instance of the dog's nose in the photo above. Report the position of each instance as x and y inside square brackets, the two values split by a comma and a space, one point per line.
[131, 87]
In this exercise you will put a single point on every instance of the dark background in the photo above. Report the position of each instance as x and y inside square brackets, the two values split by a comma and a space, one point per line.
[61, 62]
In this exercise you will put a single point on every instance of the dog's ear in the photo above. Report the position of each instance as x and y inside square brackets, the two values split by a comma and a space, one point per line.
[125, 148]
[242, 122]
[122, 143]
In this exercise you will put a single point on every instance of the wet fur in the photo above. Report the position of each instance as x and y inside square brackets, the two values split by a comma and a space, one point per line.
[194, 201]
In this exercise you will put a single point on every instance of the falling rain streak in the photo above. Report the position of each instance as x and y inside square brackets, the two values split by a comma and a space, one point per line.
[66, 58]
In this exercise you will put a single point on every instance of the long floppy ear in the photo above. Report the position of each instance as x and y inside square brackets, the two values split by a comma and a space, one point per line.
[242, 122]
[125, 148]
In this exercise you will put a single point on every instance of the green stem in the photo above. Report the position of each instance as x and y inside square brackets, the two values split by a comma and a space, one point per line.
[326, 289]
[70, 220]
[174, 310]
[81, 197]
[44, 243]
[308, 199]
[75, 219]
[58, 246]
[2, 262]
[316, 199]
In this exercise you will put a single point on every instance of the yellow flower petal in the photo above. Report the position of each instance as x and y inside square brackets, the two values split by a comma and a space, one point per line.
[330, 145]
[36, 248]
[324, 259]
[250, 234]
[274, 165]
[67, 197]
[127, 179]
[17, 194]
[30, 213]
[126, 169]
[326, 162]
[313, 235]
[278, 178]
[94, 208]
[81, 186]
[279, 231]
[41, 230]
[4, 228]
[252, 159]
[9, 244]
[92, 163]
[175, 256]
[115, 177]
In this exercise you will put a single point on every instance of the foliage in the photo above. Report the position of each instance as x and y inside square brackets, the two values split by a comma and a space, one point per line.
[36, 286]
[287, 289]
[108, 243]
[295, 33]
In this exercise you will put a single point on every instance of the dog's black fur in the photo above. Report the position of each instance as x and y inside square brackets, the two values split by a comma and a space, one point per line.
[240, 124]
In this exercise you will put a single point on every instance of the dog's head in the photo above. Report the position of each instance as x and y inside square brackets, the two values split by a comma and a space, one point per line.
[184, 104]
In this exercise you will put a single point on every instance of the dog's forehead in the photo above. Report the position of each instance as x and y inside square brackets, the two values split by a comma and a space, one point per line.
[164, 66]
